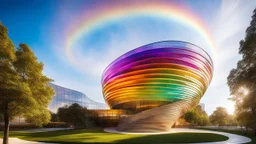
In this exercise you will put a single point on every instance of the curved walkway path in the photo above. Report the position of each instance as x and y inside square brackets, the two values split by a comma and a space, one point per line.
[20, 141]
[232, 138]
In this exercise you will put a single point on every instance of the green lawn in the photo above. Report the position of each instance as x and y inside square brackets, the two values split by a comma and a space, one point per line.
[250, 134]
[99, 136]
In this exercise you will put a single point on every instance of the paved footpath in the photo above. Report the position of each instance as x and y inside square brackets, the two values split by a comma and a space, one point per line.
[232, 138]
[20, 141]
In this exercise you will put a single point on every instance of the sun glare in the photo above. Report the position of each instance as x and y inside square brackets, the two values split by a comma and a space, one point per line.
[230, 107]
[244, 91]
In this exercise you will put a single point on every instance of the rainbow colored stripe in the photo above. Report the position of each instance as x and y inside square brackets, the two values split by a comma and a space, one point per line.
[157, 73]
[103, 15]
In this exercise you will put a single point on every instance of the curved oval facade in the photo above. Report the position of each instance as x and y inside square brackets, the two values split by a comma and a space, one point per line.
[156, 74]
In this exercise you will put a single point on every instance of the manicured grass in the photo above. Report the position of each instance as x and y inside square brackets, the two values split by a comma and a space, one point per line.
[99, 136]
[250, 133]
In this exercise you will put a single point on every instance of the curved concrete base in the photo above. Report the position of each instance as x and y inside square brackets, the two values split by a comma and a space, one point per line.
[232, 138]
[159, 119]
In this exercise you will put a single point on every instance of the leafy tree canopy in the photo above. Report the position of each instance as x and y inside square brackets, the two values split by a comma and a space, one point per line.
[197, 116]
[219, 116]
[24, 90]
[242, 79]
[74, 114]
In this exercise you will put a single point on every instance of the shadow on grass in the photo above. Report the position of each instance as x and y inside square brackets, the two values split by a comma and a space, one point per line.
[176, 138]
[166, 138]
[63, 132]
[98, 136]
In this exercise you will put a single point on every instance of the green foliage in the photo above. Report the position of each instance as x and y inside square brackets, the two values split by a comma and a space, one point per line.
[197, 116]
[219, 117]
[231, 120]
[54, 117]
[15, 94]
[75, 115]
[30, 71]
[24, 90]
[191, 116]
[203, 120]
[242, 80]
[7, 50]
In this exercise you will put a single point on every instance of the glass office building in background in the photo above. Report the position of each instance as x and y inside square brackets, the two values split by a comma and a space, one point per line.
[64, 96]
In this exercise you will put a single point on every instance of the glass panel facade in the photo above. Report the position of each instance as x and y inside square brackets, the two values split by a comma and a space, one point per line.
[157, 74]
[64, 96]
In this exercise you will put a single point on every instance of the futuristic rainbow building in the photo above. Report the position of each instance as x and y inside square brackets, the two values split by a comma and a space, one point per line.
[157, 82]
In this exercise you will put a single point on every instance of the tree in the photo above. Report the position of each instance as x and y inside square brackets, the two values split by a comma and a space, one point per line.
[1, 118]
[191, 117]
[54, 117]
[30, 71]
[24, 90]
[231, 120]
[197, 116]
[242, 80]
[74, 114]
[203, 120]
[219, 116]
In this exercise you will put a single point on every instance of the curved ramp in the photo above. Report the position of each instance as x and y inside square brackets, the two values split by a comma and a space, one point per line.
[159, 119]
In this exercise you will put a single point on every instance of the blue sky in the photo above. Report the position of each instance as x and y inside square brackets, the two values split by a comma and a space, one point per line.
[42, 24]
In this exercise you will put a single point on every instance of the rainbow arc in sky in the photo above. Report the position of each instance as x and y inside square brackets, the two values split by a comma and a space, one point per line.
[103, 15]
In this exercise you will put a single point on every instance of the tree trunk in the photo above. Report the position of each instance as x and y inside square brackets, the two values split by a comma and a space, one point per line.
[254, 128]
[246, 129]
[6, 126]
